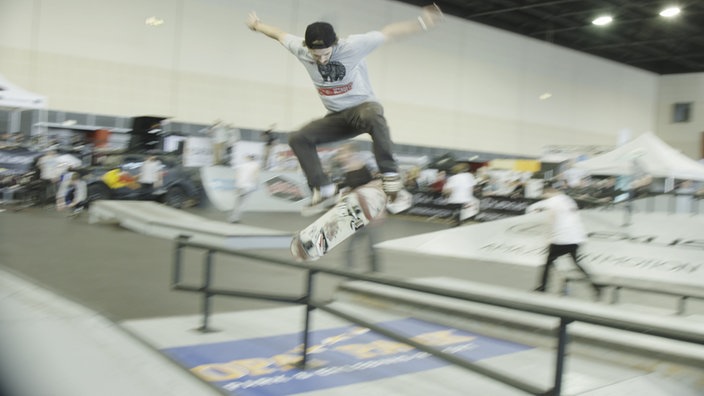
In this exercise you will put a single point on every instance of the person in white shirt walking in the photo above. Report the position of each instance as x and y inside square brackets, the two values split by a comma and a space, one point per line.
[566, 232]
[246, 182]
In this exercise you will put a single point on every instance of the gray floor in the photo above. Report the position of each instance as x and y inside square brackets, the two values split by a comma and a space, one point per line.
[125, 277]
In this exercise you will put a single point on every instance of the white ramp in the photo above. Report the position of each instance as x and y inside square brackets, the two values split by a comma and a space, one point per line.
[656, 247]
[159, 220]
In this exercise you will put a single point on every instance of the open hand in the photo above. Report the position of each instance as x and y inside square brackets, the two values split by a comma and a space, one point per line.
[432, 15]
[252, 21]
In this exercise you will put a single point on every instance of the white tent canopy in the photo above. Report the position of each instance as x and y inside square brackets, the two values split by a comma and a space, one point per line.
[15, 97]
[652, 155]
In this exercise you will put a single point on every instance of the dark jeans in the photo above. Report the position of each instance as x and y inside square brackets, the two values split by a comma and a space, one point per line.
[48, 192]
[555, 251]
[146, 190]
[365, 118]
[70, 195]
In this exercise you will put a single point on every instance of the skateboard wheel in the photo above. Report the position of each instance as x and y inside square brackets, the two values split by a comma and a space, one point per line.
[297, 249]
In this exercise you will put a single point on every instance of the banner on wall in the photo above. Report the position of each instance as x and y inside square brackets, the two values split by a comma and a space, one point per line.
[197, 152]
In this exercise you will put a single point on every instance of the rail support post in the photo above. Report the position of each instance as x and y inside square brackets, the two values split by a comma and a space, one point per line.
[306, 322]
[207, 278]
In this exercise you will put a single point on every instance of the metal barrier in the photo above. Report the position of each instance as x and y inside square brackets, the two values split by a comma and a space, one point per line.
[542, 305]
[617, 284]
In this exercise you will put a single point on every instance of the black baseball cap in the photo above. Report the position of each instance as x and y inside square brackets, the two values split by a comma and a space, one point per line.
[320, 35]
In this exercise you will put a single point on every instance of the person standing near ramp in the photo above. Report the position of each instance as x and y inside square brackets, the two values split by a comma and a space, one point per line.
[566, 232]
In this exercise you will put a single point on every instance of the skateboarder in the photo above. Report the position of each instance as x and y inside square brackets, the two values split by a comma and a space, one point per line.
[338, 70]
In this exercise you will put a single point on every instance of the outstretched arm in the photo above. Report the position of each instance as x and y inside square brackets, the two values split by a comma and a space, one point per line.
[255, 24]
[430, 17]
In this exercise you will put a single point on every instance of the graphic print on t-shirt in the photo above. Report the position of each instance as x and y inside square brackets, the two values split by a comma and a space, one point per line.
[332, 71]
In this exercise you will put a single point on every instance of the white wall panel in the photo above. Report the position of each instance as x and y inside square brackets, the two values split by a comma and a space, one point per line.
[16, 23]
[109, 30]
[463, 85]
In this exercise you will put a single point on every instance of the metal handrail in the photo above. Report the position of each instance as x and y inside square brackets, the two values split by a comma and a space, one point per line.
[574, 311]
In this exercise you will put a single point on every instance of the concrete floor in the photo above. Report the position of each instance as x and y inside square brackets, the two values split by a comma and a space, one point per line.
[125, 277]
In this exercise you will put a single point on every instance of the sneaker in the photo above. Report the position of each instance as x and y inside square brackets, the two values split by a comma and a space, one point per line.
[392, 184]
[320, 202]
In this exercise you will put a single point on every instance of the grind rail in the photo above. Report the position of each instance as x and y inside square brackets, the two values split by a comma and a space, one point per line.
[575, 311]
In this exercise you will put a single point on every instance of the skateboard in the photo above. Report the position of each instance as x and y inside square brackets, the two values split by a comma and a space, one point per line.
[352, 212]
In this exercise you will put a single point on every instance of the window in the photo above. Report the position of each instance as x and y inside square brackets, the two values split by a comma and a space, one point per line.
[681, 112]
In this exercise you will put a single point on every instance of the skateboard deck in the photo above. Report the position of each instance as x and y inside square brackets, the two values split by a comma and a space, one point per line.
[353, 211]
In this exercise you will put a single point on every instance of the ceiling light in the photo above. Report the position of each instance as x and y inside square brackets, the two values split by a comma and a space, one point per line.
[670, 12]
[603, 20]
[154, 21]
[546, 95]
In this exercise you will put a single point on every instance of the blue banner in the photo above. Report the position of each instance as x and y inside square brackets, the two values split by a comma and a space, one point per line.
[336, 357]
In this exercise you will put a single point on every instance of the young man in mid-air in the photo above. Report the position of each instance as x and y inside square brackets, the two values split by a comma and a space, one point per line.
[338, 70]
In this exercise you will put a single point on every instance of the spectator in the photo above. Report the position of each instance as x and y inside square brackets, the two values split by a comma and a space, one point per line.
[459, 189]
[72, 193]
[246, 182]
[410, 182]
[223, 137]
[270, 141]
[574, 177]
[150, 176]
[49, 173]
[436, 187]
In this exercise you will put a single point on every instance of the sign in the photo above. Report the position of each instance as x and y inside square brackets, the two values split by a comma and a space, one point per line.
[427, 205]
[197, 152]
[337, 357]
[498, 207]
[283, 188]
[219, 185]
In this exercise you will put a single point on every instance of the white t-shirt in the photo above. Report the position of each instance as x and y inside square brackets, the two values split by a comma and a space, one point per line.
[49, 167]
[149, 173]
[574, 176]
[344, 81]
[247, 175]
[81, 190]
[566, 225]
[460, 187]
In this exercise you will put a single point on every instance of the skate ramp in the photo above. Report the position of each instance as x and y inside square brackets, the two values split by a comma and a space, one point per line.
[656, 250]
[655, 247]
[155, 219]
